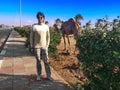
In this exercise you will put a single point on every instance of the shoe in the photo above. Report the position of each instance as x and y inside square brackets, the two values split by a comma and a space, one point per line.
[38, 78]
[49, 78]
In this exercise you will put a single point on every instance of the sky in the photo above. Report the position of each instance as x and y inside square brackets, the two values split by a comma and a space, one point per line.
[53, 9]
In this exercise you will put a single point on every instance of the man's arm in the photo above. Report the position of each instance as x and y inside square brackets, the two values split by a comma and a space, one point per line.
[48, 38]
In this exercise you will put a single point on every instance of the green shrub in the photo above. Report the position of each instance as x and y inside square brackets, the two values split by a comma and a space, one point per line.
[77, 86]
[100, 54]
[55, 39]
[24, 32]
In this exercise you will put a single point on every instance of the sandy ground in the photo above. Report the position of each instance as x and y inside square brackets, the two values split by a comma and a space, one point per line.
[66, 64]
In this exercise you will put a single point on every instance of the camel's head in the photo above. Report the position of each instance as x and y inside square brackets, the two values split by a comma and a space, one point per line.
[78, 17]
[100, 20]
[115, 20]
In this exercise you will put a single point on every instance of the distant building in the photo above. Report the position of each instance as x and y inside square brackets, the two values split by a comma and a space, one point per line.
[3, 26]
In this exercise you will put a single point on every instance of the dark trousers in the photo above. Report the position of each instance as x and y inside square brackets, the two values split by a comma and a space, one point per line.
[42, 53]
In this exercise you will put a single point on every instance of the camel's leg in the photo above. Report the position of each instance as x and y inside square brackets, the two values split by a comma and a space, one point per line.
[69, 42]
[75, 47]
[64, 43]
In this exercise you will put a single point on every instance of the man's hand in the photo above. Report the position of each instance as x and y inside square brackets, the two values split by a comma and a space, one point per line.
[47, 46]
[32, 50]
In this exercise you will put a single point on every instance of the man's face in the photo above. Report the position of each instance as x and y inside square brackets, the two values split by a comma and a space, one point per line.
[40, 19]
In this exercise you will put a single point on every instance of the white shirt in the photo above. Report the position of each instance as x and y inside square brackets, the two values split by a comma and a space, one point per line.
[40, 38]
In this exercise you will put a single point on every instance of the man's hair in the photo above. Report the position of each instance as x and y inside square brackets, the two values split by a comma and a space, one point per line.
[40, 13]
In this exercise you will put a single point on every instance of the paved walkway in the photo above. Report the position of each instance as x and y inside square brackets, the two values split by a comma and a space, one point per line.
[18, 69]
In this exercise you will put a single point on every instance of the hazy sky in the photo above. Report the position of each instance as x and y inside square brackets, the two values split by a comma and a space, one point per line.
[53, 9]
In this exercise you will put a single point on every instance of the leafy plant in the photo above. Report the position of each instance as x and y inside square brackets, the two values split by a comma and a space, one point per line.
[100, 54]
[24, 32]
[77, 86]
[55, 39]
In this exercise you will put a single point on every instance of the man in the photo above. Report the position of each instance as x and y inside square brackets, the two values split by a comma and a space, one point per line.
[39, 41]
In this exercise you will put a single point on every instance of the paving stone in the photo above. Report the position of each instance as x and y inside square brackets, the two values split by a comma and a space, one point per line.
[18, 69]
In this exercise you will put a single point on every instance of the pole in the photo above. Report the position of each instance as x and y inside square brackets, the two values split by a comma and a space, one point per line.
[20, 13]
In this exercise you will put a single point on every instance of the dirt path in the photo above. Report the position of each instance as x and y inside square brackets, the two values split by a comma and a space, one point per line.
[67, 64]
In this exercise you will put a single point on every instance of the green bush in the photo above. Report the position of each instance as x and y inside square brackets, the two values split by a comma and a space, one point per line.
[55, 39]
[100, 54]
[77, 86]
[24, 32]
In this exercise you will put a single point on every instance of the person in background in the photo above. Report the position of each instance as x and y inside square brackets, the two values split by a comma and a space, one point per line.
[39, 42]
[47, 23]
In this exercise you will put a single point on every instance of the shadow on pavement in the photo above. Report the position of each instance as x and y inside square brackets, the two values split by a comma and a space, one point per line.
[25, 82]
[15, 50]
[17, 67]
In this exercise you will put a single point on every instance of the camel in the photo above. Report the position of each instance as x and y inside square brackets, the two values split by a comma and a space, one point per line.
[72, 26]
